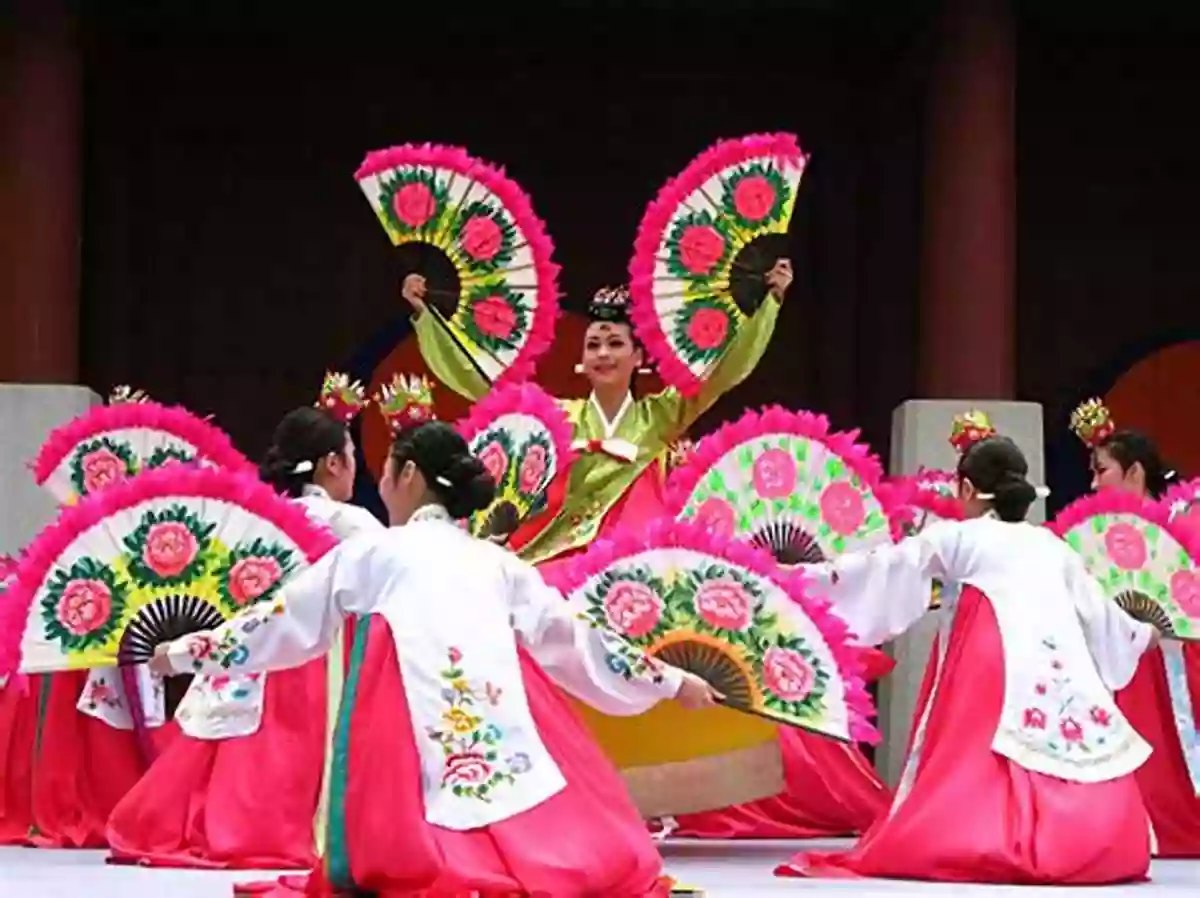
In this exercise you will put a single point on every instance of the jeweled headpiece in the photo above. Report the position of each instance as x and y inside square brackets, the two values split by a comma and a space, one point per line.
[1092, 422]
[124, 394]
[610, 304]
[406, 402]
[969, 428]
[341, 398]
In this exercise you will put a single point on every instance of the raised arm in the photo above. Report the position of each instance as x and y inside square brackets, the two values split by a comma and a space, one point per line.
[595, 665]
[883, 592]
[298, 625]
[449, 362]
[1116, 641]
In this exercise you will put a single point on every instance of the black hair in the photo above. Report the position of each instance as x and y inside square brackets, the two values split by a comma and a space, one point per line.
[458, 479]
[1130, 447]
[996, 465]
[305, 434]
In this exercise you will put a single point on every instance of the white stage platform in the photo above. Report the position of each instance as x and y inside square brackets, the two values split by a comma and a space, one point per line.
[723, 869]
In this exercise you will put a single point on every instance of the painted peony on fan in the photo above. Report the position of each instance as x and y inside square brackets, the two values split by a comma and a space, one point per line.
[523, 438]
[1147, 563]
[472, 233]
[112, 443]
[173, 551]
[783, 482]
[729, 614]
[703, 250]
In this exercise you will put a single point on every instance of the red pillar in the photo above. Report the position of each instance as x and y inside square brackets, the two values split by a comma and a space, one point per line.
[39, 206]
[969, 242]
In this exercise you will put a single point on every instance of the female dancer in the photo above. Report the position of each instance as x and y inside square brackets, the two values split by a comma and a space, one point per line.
[618, 482]
[1021, 769]
[243, 789]
[458, 768]
[1160, 699]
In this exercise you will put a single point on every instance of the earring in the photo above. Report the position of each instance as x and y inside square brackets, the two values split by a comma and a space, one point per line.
[645, 370]
[579, 368]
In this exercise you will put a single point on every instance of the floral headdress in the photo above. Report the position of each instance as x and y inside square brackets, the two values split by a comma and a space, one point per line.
[968, 429]
[610, 304]
[341, 398]
[122, 394]
[406, 402]
[1092, 423]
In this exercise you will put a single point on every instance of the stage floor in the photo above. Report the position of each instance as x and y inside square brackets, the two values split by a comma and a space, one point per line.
[723, 869]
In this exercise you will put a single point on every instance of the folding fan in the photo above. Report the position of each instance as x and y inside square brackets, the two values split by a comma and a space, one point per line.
[704, 247]
[471, 232]
[727, 613]
[1184, 501]
[170, 552]
[1146, 562]
[783, 482]
[111, 443]
[523, 438]
[927, 497]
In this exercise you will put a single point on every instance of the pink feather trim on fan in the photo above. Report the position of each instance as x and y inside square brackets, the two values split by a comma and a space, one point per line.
[1183, 500]
[1116, 502]
[919, 493]
[667, 533]
[656, 220]
[517, 203]
[177, 480]
[775, 419]
[210, 441]
[523, 399]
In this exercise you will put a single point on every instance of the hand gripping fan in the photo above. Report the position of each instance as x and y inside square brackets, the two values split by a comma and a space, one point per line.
[471, 232]
[1184, 501]
[523, 438]
[171, 552]
[111, 443]
[727, 613]
[1147, 563]
[704, 247]
[781, 481]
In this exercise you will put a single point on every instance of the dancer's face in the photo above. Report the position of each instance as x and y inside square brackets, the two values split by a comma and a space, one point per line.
[610, 357]
[335, 473]
[1107, 474]
[402, 489]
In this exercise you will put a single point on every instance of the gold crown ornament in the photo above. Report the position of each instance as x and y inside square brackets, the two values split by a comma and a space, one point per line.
[1092, 422]
[406, 401]
[122, 394]
[341, 397]
[969, 428]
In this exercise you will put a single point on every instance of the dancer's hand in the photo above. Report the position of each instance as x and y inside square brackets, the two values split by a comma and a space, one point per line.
[160, 664]
[412, 291]
[695, 694]
[779, 278]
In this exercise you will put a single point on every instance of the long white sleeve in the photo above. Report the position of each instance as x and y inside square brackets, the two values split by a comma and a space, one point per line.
[1115, 640]
[298, 625]
[882, 592]
[594, 664]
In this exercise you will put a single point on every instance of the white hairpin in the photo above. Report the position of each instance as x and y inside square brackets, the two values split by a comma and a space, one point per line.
[1041, 492]
[302, 467]
[443, 481]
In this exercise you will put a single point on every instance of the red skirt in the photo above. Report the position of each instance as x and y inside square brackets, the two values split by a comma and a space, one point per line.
[975, 816]
[1166, 787]
[246, 802]
[586, 840]
[18, 733]
[82, 767]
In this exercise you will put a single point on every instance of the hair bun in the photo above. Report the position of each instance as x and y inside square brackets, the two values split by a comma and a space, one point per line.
[468, 488]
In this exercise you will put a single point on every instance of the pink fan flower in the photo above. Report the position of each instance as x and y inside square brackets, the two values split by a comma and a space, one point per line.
[717, 517]
[481, 238]
[708, 328]
[632, 608]
[775, 474]
[414, 204]
[251, 578]
[533, 469]
[1185, 592]
[701, 248]
[102, 468]
[754, 197]
[170, 548]
[468, 769]
[1125, 546]
[494, 316]
[725, 604]
[788, 674]
[842, 508]
[85, 606]
[495, 459]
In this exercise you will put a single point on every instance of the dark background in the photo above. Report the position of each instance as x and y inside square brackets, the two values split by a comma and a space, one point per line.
[229, 256]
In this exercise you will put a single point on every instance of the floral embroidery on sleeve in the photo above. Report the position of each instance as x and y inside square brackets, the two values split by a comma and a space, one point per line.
[227, 646]
[624, 658]
[102, 694]
[1057, 718]
[475, 763]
